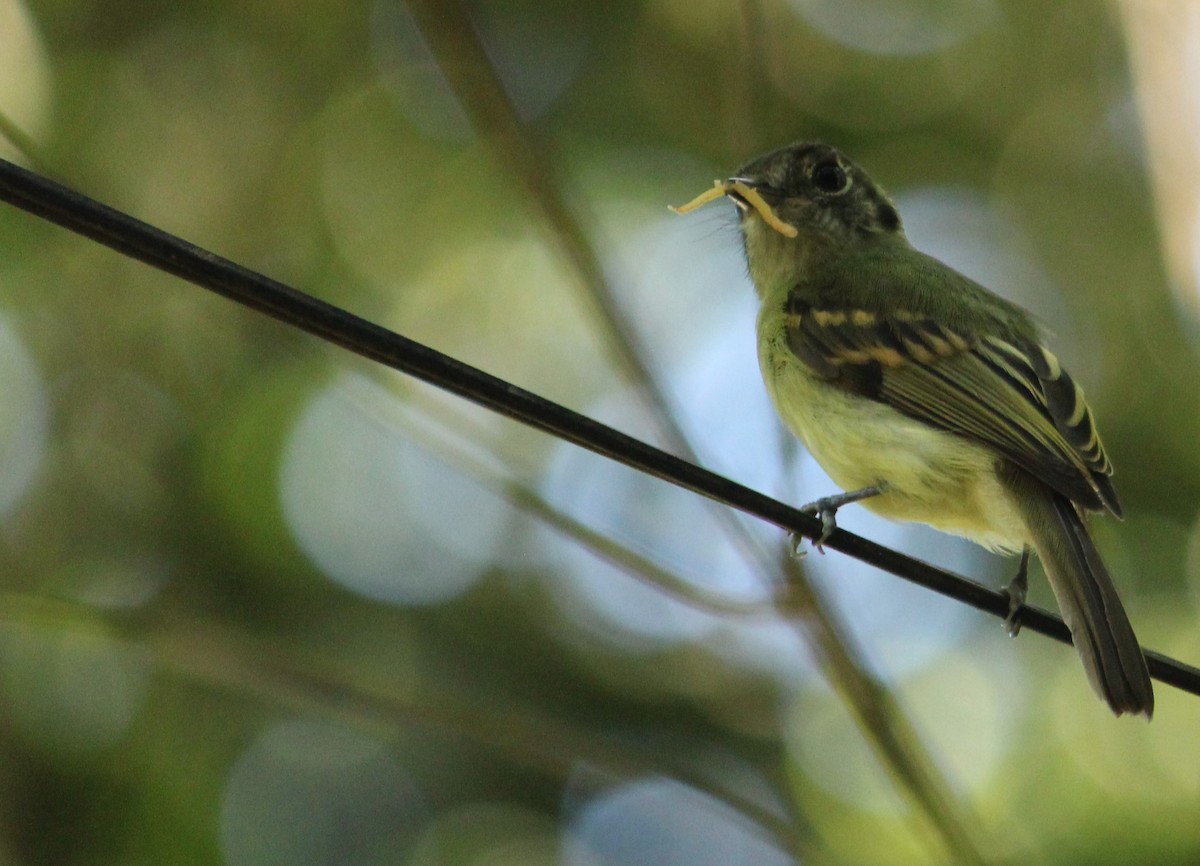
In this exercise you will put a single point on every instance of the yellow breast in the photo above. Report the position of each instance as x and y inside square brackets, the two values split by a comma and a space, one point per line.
[933, 477]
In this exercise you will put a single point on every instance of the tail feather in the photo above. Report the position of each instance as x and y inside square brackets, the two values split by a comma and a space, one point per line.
[1088, 600]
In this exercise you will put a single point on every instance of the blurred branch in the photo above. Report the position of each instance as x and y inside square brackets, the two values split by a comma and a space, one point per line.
[889, 722]
[894, 735]
[23, 142]
[522, 496]
[524, 736]
[223, 658]
[450, 31]
[1161, 39]
[746, 83]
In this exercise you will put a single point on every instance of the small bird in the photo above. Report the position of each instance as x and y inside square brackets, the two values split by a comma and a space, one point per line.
[927, 397]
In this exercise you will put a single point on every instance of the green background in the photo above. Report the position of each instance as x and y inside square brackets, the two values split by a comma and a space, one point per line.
[266, 603]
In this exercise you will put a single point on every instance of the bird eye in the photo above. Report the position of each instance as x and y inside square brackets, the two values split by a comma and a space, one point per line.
[829, 177]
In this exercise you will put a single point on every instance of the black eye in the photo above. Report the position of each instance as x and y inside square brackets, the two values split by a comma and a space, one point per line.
[829, 177]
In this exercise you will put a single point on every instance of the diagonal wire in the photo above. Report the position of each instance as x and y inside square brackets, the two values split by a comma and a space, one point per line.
[168, 253]
[173, 255]
[449, 29]
[1163, 668]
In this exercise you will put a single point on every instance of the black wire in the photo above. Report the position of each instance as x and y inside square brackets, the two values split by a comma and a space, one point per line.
[112, 228]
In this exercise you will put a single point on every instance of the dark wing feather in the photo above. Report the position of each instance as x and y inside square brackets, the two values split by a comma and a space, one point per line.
[1010, 394]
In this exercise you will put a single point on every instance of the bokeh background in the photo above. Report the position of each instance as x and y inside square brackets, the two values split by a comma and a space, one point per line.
[264, 603]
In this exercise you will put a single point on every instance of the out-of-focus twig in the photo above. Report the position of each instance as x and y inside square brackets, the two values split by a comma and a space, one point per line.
[434, 429]
[450, 31]
[220, 657]
[23, 142]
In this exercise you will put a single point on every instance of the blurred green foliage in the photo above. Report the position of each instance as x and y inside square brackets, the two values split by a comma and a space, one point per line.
[225, 641]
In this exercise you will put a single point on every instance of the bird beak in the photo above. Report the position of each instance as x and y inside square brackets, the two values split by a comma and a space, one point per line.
[743, 192]
[732, 186]
[747, 194]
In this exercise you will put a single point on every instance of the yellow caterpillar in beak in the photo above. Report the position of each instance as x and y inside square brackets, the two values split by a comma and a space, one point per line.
[748, 194]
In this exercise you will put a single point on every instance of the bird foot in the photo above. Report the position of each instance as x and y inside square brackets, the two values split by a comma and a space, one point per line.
[1016, 590]
[827, 507]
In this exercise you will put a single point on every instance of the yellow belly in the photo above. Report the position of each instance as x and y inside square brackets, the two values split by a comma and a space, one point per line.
[932, 476]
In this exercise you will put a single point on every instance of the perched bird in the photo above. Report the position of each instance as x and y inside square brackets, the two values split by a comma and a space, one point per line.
[926, 396]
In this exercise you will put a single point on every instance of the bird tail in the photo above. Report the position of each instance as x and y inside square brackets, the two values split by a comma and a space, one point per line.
[1088, 600]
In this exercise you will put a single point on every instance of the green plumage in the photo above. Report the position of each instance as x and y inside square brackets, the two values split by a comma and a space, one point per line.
[985, 374]
[896, 371]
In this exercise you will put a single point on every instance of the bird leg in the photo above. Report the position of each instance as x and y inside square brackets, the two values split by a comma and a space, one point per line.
[1016, 591]
[827, 507]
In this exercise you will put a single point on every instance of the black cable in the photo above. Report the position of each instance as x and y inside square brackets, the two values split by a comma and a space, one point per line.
[119, 231]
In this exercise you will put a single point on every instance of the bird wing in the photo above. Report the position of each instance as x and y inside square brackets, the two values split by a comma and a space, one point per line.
[1006, 392]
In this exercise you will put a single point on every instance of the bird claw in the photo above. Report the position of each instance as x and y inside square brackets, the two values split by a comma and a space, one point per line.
[827, 510]
[827, 507]
[1016, 591]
